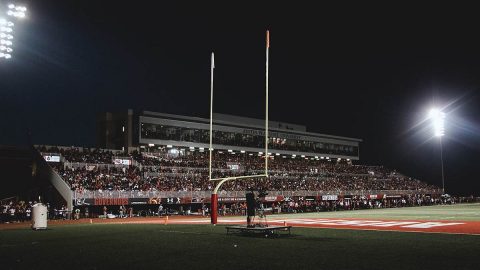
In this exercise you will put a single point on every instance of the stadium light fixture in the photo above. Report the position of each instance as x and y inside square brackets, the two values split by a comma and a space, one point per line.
[242, 151]
[15, 12]
[438, 121]
[6, 36]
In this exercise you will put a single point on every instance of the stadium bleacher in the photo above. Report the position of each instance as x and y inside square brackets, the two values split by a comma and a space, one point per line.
[95, 170]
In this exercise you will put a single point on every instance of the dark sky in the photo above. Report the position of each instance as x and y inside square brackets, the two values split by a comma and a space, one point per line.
[370, 72]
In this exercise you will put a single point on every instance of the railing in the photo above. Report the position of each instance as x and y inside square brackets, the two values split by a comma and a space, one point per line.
[90, 194]
[153, 168]
[77, 165]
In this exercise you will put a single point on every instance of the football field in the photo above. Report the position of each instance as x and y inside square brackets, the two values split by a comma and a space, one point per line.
[144, 243]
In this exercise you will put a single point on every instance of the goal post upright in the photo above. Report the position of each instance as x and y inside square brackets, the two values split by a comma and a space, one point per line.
[266, 103]
[214, 197]
[212, 66]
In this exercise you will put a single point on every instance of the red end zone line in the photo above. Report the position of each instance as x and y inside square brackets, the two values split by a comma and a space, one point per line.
[460, 227]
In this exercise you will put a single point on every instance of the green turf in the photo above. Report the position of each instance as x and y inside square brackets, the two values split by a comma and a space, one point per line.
[439, 212]
[135, 246]
[142, 246]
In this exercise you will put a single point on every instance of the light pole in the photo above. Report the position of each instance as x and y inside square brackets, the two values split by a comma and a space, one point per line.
[438, 121]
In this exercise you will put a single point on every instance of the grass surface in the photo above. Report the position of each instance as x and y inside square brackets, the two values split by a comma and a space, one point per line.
[149, 246]
[440, 212]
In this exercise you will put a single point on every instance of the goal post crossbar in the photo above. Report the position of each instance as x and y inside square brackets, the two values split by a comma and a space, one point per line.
[239, 177]
[225, 179]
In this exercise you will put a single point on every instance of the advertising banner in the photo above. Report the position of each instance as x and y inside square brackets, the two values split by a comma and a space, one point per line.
[111, 201]
[52, 158]
[83, 201]
[171, 200]
[329, 197]
[232, 199]
[138, 200]
[122, 161]
[154, 200]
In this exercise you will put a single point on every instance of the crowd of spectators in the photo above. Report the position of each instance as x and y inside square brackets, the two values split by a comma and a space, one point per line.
[11, 211]
[14, 211]
[84, 155]
[189, 171]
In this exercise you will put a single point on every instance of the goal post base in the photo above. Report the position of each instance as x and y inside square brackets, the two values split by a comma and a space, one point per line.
[214, 209]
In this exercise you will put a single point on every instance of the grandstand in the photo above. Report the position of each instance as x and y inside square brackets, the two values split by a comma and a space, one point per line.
[172, 165]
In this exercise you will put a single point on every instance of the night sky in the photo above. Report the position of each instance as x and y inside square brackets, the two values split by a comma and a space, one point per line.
[369, 72]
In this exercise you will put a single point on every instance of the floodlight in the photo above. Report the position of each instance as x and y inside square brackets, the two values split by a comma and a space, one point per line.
[5, 42]
[6, 29]
[6, 36]
[16, 11]
[438, 119]
[5, 55]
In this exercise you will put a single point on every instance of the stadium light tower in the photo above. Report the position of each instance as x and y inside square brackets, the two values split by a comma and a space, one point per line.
[12, 13]
[438, 120]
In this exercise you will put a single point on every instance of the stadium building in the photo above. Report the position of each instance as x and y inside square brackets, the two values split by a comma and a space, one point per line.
[150, 130]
